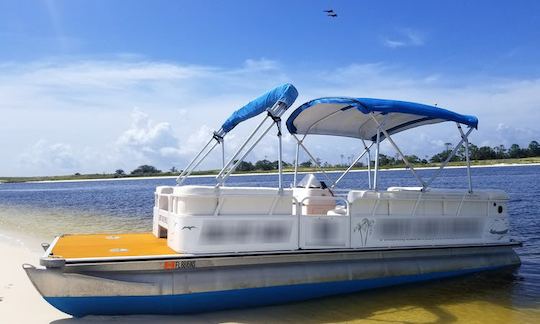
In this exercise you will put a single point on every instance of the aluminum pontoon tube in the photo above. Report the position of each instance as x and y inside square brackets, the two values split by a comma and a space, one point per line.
[209, 284]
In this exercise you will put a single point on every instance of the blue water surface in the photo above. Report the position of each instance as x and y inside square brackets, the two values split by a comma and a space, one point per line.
[102, 205]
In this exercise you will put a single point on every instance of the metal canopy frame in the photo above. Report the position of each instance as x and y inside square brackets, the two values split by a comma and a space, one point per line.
[382, 134]
[218, 137]
[274, 114]
[299, 144]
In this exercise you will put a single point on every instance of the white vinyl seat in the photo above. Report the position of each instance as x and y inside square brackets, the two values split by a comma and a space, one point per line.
[255, 201]
[195, 200]
[367, 202]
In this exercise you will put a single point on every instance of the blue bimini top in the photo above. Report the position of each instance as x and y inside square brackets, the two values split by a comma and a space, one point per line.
[352, 117]
[285, 93]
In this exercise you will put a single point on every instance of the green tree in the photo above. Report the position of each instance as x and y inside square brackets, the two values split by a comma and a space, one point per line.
[486, 153]
[500, 152]
[245, 166]
[264, 165]
[442, 156]
[533, 149]
[145, 169]
[306, 164]
[384, 159]
[515, 151]
[413, 158]
[473, 151]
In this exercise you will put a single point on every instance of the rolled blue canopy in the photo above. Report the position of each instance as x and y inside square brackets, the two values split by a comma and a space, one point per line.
[351, 117]
[285, 93]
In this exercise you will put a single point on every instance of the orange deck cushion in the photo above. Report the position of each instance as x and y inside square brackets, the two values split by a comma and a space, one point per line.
[110, 245]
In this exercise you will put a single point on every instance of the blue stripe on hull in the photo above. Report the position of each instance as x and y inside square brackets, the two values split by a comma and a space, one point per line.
[238, 298]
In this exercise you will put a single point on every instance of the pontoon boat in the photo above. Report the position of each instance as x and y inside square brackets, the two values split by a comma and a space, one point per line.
[218, 247]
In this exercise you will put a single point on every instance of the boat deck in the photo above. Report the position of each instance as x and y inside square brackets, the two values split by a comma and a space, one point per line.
[110, 245]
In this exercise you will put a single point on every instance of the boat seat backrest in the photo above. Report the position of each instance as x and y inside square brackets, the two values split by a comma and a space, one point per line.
[367, 202]
[442, 201]
[195, 200]
[255, 201]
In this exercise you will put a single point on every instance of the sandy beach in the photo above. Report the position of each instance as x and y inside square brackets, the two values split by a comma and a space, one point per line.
[19, 301]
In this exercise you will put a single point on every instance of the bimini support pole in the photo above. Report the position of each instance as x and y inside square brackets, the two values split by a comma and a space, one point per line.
[311, 156]
[450, 156]
[232, 159]
[369, 167]
[233, 164]
[377, 150]
[376, 174]
[223, 152]
[368, 157]
[274, 113]
[366, 149]
[277, 121]
[405, 160]
[193, 164]
[467, 157]
[296, 164]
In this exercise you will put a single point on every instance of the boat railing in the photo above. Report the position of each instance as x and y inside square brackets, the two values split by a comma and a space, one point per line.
[390, 203]
[366, 218]
[385, 203]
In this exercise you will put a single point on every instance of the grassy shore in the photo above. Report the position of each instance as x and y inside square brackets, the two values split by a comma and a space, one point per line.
[530, 160]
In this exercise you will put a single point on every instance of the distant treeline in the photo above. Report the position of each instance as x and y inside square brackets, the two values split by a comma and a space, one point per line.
[476, 153]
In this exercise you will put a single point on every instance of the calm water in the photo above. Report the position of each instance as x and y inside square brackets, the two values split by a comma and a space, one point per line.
[46, 209]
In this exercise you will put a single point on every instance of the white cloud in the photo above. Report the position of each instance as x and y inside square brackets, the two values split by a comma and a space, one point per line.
[49, 156]
[261, 64]
[148, 142]
[508, 135]
[77, 116]
[404, 38]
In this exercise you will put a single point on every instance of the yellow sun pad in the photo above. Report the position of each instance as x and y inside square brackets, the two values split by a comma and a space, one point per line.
[110, 245]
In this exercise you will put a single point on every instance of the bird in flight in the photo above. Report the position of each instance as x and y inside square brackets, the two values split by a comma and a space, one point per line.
[330, 13]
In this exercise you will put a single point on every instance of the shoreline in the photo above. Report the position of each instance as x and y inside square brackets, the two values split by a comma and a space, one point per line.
[16, 291]
[497, 165]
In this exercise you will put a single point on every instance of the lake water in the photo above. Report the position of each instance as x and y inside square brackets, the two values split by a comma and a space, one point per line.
[43, 210]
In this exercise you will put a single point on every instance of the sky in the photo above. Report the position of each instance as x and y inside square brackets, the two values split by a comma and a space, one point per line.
[94, 86]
